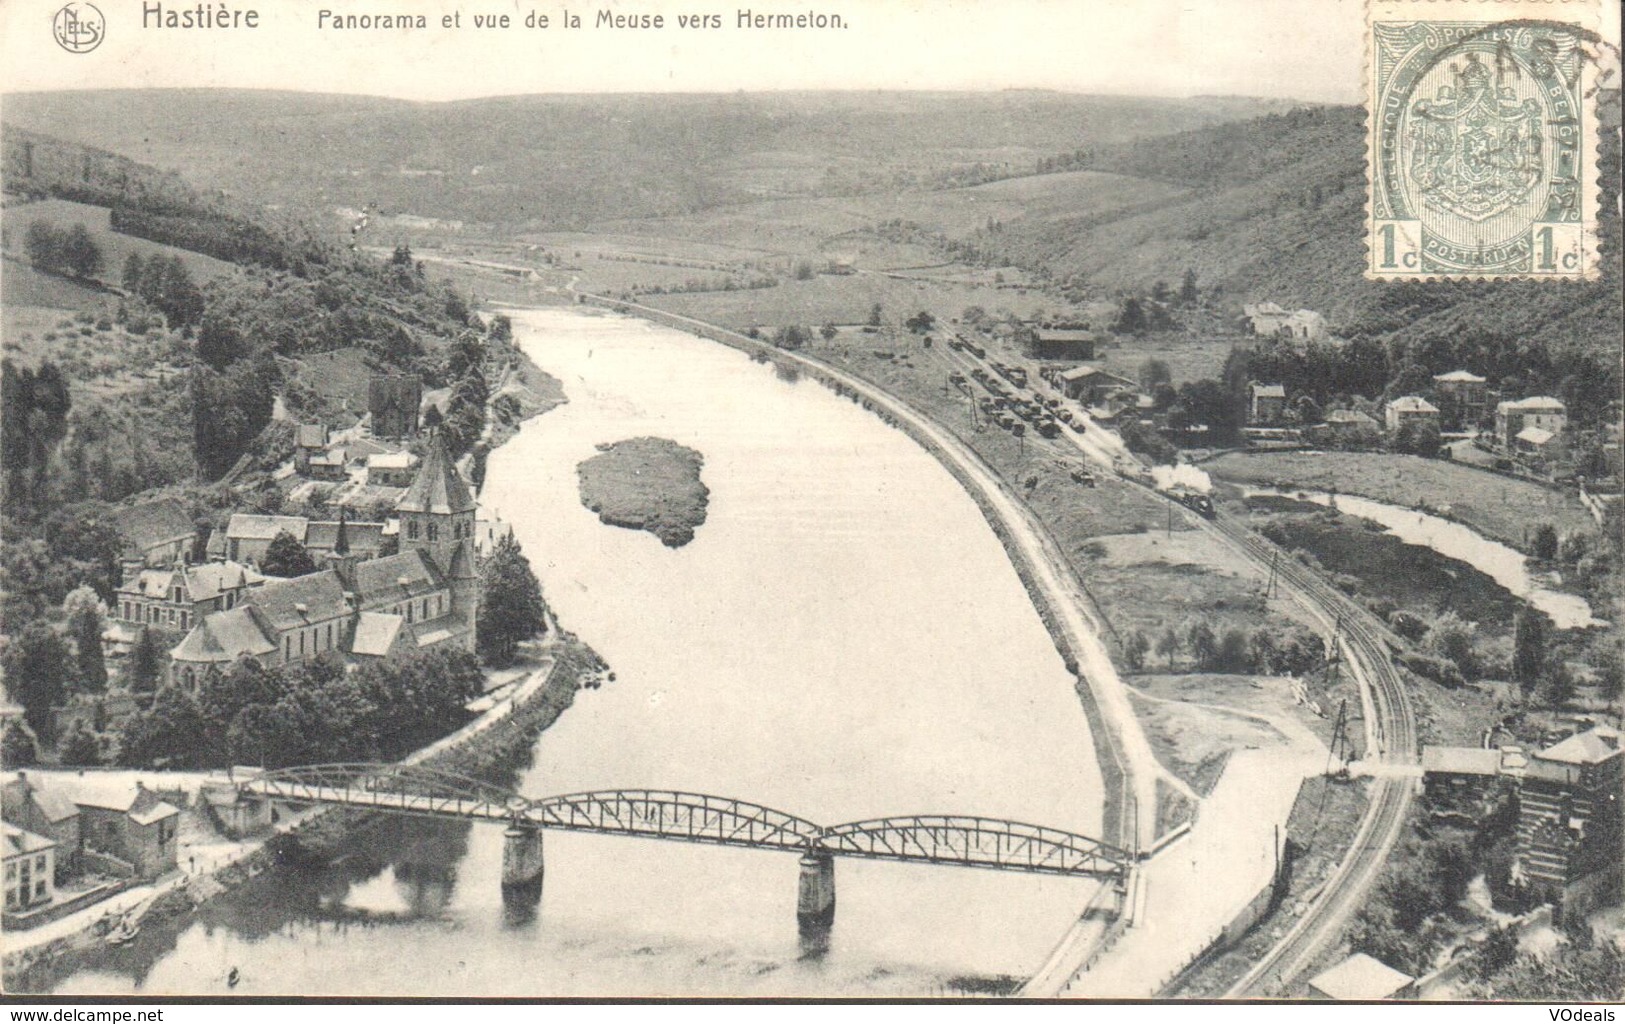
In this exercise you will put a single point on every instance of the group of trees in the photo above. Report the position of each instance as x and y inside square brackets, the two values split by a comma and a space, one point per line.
[165, 285]
[34, 406]
[1293, 650]
[44, 666]
[309, 712]
[511, 606]
[71, 251]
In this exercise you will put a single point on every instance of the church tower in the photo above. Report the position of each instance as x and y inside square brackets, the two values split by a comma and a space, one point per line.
[437, 517]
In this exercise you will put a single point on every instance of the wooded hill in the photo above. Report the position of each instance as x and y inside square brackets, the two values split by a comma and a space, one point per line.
[548, 162]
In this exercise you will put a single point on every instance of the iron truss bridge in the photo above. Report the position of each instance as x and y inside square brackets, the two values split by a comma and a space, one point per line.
[696, 818]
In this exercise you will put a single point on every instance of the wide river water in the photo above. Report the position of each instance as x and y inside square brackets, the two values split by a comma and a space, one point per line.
[844, 638]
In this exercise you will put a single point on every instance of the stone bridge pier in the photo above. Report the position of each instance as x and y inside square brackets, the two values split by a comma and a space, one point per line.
[522, 865]
[815, 896]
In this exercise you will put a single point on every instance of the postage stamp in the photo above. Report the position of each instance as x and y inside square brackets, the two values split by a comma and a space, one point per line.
[1482, 135]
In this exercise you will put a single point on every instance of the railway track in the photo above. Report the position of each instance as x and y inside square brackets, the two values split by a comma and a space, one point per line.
[1364, 646]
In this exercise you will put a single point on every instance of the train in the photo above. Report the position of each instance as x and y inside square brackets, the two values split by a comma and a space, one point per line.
[1194, 500]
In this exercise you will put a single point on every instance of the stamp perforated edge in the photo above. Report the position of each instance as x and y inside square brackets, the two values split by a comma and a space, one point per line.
[1589, 16]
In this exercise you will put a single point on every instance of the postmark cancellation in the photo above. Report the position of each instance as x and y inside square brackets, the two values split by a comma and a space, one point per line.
[1482, 130]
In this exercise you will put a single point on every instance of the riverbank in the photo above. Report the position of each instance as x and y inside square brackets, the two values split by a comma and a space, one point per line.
[647, 483]
[565, 666]
[1499, 507]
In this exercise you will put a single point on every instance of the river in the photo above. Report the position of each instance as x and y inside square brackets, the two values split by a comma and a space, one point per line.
[844, 638]
[1505, 565]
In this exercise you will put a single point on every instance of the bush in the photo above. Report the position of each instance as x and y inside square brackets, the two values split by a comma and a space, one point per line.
[1440, 670]
[1408, 625]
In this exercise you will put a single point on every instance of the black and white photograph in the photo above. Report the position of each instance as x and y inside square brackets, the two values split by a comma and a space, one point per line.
[911, 500]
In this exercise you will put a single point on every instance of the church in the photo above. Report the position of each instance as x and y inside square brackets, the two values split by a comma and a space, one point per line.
[426, 596]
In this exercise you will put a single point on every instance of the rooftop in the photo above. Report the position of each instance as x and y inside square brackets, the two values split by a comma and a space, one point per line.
[1590, 747]
[1412, 403]
[1543, 403]
[222, 637]
[153, 522]
[1360, 977]
[244, 526]
[1458, 377]
[21, 841]
[301, 601]
[437, 488]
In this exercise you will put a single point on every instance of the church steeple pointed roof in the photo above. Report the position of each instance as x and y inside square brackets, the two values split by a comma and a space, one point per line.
[437, 489]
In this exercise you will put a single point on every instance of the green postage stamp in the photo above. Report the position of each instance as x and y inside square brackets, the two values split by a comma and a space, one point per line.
[1482, 131]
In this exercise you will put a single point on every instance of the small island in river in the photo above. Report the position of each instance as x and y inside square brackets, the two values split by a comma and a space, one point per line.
[647, 483]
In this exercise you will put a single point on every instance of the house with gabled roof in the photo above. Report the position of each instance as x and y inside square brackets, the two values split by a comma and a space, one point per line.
[155, 533]
[177, 597]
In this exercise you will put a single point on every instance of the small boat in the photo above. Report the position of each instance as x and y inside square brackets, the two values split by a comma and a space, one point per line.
[122, 933]
[233, 978]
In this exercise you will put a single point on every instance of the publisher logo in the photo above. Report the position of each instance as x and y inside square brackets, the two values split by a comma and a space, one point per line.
[78, 27]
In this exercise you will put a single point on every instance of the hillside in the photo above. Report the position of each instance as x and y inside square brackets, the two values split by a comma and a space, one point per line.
[558, 162]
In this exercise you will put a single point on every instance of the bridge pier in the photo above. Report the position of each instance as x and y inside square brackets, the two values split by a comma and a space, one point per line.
[522, 866]
[815, 896]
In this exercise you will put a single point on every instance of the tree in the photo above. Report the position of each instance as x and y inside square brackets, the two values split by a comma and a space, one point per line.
[511, 605]
[920, 322]
[1169, 645]
[1134, 650]
[133, 273]
[874, 315]
[1188, 295]
[81, 747]
[17, 748]
[146, 662]
[1528, 648]
[166, 736]
[85, 624]
[828, 331]
[38, 667]
[1203, 643]
[1452, 638]
[286, 557]
[1544, 543]
[1130, 318]
[1234, 653]
[1154, 372]
[80, 254]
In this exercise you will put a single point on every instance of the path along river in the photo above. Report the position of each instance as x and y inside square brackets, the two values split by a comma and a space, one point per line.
[843, 639]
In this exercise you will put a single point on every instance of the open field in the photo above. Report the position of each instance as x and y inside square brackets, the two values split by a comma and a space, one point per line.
[847, 299]
[115, 247]
[23, 288]
[1499, 507]
[1195, 742]
[817, 225]
[1188, 359]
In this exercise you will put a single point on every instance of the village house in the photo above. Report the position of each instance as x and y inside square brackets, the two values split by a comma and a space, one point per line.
[1569, 822]
[391, 469]
[1266, 403]
[1463, 397]
[1268, 320]
[1061, 344]
[176, 598]
[155, 533]
[361, 540]
[248, 536]
[1412, 409]
[44, 812]
[1511, 418]
[129, 823]
[309, 442]
[1090, 384]
[1352, 425]
[30, 868]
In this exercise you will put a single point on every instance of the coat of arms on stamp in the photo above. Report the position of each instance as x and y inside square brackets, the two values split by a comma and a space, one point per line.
[1482, 143]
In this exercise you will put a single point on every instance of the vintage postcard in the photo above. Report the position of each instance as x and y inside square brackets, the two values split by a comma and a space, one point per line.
[914, 499]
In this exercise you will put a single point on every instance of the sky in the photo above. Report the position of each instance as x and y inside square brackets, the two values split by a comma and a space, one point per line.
[1299, 49]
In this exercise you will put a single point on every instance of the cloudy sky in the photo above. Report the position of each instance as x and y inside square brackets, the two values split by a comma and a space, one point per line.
[1303, 49]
